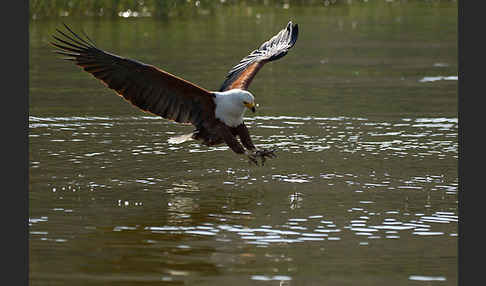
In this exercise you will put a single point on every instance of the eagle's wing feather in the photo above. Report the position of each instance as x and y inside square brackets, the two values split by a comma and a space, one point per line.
[145, 86]
[241, 75]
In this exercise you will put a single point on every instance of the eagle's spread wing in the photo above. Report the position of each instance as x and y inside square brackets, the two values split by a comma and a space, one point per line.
[145, 86]
[241, 75]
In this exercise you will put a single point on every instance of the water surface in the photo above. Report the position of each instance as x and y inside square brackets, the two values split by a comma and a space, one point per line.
[362, 113]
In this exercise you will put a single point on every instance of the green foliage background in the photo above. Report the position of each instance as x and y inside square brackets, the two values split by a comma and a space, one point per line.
[39, 9]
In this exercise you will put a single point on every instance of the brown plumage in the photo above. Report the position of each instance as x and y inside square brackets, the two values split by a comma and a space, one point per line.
[241, 75]
[161, 93]
[147, 87]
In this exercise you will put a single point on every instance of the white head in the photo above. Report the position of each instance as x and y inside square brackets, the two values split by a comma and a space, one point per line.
[231, 105]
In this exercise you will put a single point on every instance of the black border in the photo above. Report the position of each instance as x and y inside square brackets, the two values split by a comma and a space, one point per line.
[15, 118]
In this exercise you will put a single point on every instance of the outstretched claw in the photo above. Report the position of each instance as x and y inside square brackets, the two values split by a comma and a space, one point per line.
[262, 154]
[252, 158]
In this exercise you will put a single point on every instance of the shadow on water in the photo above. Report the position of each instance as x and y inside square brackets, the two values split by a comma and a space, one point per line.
[364, 188]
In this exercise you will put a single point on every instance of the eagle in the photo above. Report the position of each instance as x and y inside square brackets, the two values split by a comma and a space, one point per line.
[216, 115]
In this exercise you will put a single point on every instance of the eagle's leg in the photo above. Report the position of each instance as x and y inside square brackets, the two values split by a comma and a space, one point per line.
[229, 138]
[252, 153]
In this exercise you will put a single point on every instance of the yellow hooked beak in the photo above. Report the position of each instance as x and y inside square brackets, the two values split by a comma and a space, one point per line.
[250, 106]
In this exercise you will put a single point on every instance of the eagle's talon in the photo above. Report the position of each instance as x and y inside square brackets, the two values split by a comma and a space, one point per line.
[262, 154]
[252, 159]
[266, 153]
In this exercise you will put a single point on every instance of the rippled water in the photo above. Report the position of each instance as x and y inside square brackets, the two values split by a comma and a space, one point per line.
[364, 189]
[419, 137]
[110, 188]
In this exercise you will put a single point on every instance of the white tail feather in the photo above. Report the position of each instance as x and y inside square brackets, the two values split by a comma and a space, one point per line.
[180, 139]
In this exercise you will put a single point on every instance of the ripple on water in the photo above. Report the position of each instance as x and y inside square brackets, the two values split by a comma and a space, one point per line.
[426, 278]
[419, 137]
[293, 178]
[437, 78]
[271, 277]
[315, 228]
[405, 137]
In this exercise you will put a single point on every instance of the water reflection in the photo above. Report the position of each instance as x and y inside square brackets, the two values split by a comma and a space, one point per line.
[365, 221]
[177, 210]
[388, 225]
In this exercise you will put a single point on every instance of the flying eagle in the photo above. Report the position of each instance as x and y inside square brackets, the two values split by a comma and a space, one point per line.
[216, 115]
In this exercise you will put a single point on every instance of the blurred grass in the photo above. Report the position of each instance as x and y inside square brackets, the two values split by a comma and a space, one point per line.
[164, 9]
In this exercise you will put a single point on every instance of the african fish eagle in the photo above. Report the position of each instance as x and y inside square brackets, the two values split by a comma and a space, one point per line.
[216, 115]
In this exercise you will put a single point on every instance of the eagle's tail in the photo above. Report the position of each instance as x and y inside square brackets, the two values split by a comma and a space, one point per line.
[181, 138]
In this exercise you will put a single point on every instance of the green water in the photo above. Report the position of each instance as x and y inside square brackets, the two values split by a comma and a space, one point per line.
[362, 112]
